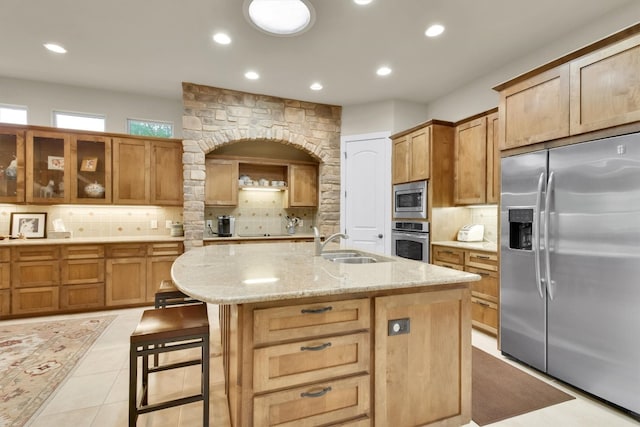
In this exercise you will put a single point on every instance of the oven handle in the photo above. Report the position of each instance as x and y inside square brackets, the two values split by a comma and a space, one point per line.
[418, 236]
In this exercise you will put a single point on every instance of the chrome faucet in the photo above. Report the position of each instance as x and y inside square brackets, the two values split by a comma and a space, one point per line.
[320, 245]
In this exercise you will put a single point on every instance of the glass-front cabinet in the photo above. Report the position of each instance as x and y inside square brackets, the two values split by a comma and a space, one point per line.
[91, 169]
[11, 165]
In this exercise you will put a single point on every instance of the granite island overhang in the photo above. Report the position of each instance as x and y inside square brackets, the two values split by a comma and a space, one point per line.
[309, 340]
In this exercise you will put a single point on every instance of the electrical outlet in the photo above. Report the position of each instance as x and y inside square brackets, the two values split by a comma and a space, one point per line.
[209, 223]
[300, 223]
[167, 223]
[153, 224]
[399, 327]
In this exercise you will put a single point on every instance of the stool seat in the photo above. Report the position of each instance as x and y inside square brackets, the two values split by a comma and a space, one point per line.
[169, 295]
[175, 322]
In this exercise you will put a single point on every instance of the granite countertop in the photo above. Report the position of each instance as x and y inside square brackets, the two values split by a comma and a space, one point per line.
[479, 246]
[266, 236]
[246, 273]
[89, 240]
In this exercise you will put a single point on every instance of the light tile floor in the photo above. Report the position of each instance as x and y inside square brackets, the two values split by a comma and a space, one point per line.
[96, 392]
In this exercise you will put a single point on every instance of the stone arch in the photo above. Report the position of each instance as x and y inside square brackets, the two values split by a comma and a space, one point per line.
[216, 117]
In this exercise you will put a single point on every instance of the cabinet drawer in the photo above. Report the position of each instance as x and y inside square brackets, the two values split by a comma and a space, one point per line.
[34, 300]
[487, 286]
[5, 276]
[484, 315]
[5, 302]
[80, 271]
[35, 253]
[320, 404]
[165, 248]
[449, 265]
[5, 254]
[448, 255]
[485, 260]
[82, 251]
[288, 365]
[37, 273]
[126, 250]
[309, 320]
[82, 296]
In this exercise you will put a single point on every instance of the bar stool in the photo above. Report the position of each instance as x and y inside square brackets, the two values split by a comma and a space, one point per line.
[168, 295]
[161, 331]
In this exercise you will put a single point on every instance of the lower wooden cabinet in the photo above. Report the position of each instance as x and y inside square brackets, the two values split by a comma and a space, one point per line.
[43, 299]
[126, 281]
[75, 297]
[5, 302]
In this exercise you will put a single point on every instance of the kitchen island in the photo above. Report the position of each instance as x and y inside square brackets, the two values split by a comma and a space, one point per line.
[310, 341]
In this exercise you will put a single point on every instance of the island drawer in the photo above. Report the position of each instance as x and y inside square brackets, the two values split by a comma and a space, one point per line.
[324, 403]
[448, 255]
[288, 365]
[310, 320]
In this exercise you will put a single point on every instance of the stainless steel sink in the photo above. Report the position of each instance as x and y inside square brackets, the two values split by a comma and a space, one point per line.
[341, 254]
[355, 260]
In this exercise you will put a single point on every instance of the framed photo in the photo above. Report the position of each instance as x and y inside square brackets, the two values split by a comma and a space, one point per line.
[55, 163]
[89, 164]
[29, 225]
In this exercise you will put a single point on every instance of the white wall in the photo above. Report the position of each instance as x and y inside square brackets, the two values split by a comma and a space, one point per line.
[42, 98]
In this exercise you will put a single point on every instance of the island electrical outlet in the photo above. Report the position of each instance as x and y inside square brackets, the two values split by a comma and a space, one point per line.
[399, 326]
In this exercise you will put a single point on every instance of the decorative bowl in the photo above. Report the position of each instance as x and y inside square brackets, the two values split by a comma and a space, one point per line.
[94, 190]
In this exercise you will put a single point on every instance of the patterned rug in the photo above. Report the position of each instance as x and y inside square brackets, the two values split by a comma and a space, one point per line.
[36, 357]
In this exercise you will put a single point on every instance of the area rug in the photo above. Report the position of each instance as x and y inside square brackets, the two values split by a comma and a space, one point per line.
[36, 357]
[501, 391]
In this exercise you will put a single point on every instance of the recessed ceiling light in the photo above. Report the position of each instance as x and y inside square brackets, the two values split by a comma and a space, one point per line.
[316, 86]
[54, 47]
[252, 75]
[362, 2]
[221, 38]
[434, 30]
[280, 17]
[383, 71]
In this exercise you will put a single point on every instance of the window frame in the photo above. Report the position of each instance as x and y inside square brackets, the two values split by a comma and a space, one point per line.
[147, 121]
[55, 113]
[16, 107]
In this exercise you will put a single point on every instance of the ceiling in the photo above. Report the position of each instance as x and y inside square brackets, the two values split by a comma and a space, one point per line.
[151, 47]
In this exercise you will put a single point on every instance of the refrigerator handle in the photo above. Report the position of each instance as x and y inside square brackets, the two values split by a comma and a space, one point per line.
[547, 249]
[536, 234]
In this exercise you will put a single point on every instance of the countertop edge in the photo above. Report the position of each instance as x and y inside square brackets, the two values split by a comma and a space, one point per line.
[89, 240]
[477, 246]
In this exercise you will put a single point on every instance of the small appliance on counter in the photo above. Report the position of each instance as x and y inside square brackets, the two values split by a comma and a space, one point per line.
[471, 233]
[226, 226]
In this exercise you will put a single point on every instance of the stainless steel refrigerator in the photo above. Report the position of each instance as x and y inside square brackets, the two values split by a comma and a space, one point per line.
[570, 265]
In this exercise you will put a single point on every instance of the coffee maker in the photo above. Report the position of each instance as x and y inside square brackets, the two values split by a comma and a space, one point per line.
[226, 226]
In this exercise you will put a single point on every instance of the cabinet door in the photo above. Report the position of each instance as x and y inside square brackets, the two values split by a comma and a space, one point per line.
[493, 159]
[166, 173]
[35, 273]
[400, 158]
[131, 171]
[484, 315]
[303, 185]
[90, 169]
[605, 87]
[48, 176]
[158, 269]
[12, 172]
[470, 177]
[126, 281]
[420, 154]
[35, 300]
[75, 297]
[82, 271]
[221, 185]
[5, 302]
[414, 384]
[535, 110]
[448, 255]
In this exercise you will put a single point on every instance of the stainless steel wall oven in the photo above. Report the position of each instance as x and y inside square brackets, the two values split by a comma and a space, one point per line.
[410, 240]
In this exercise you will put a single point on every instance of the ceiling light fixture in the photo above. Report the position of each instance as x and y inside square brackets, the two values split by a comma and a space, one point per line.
[434, 30]
[280, 17]
[221, 38]
[362, 2]
[252, 75]
[315, 86]
[383, 71]
[54, 47]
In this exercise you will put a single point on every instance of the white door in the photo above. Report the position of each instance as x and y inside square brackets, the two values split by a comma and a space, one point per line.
[366, 192]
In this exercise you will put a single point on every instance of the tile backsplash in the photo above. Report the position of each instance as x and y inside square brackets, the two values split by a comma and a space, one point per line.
[261, 212]
[100, 221]
[488, 216]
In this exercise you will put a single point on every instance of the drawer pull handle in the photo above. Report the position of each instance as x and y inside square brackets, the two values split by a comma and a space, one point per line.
[486, 304]
[316, 347]
[481, 273]
[447, 252]
[483, 257]
[316, 310]
[316, 393]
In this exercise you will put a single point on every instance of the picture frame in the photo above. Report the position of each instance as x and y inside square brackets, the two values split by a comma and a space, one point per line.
[89, 164]
[55, 163]
[32, 225]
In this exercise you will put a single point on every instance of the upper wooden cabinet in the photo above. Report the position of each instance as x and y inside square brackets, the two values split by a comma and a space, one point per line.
[147, 172]
[90, 169]
[48, 177]
[411, 156]
[535, 110]
[303, 185]
[477, 161]
[11, 165]
[593, 88]
[221, 185]
[605, 87]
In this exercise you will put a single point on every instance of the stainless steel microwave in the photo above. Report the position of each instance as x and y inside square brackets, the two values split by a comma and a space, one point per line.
[410, 200]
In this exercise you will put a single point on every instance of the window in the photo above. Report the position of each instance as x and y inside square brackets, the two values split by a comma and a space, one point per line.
[15, 114]
[150, 128]
[78, 121]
